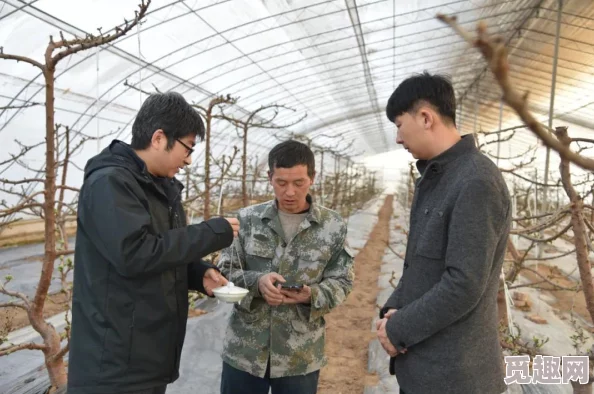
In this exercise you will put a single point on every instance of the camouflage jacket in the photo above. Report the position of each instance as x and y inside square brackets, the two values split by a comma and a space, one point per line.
[292, 336]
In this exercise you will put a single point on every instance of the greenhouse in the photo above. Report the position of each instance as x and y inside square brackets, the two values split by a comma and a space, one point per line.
[327, 78]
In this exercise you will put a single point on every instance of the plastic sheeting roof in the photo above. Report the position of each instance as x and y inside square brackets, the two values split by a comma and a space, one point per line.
[337, 61]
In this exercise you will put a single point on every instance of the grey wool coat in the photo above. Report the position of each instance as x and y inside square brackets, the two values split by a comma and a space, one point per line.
[446, 299]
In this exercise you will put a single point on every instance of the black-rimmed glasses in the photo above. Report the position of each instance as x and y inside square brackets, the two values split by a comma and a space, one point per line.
[190, 149]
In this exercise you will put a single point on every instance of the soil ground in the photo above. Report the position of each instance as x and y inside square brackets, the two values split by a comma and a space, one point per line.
[12, 318]
[348, 327]
[565, 299]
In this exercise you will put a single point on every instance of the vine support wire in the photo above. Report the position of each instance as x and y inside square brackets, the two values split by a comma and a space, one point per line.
[139, 68]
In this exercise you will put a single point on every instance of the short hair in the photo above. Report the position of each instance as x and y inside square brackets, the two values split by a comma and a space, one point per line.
[291, 153]
[436, 90]
[169, 112]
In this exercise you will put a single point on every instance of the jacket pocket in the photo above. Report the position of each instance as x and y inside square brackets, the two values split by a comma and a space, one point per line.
[248, 317]
[117, 341]
[433, 238]
[311, 264]
[302, 324]
[259, 255]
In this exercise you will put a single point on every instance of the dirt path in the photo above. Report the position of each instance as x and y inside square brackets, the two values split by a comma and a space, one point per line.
[348, 328]
[565, 299]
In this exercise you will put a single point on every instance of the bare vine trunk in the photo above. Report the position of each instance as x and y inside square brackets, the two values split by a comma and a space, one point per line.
[53, 362]
[578, 225]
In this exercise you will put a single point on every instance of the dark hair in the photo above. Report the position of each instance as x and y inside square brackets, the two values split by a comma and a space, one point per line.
[436, 90]
[291, 153]
[169, 112]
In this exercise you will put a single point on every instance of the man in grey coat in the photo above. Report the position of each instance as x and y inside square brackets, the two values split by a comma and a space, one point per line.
[440, 325]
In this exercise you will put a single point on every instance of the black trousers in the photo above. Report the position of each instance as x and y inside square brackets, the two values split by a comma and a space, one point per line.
[234, 381]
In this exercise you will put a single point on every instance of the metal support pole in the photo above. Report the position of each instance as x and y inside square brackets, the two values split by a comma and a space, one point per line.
[498, 134]
[551, 110]
[460, 117]
[322, 179]
[476, 109]
[552, 101]
[515, 237]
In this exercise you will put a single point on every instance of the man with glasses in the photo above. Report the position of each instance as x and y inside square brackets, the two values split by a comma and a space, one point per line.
[136, 257]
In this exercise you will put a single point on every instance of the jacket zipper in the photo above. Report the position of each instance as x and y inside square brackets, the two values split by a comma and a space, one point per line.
[175, 224]
[131, 336]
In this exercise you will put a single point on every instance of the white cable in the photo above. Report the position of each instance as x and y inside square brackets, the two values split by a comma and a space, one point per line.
[508, 301]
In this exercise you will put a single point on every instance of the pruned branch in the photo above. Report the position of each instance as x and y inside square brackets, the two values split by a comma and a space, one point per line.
[518, 261]
[21, 59]
[554, 257]
[27, 181]
[62, 352]
[552, 238]
[541, 226]
[532, 181]
[23, 152]
[64, 252]
[495, 53]
[22, 346]
[586, 140]
[137, 89]
[26, 105]
[90, 41]
[556, 287]
[18, 208]
[13, 305]
[399, 255]
[15, 294]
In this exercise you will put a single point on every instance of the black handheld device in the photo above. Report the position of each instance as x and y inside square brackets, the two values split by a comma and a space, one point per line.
[291, 286]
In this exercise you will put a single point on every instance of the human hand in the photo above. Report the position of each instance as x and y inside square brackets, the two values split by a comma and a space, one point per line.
[271, 293]
[385, 341]
[300, 296]
[234, 225]
[213, 279]
[387, 315]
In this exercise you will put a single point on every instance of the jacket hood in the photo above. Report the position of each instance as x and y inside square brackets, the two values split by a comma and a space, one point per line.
[117, 154]
[120, 154]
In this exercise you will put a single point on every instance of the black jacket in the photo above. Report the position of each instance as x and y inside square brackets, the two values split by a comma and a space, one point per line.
[135, 260]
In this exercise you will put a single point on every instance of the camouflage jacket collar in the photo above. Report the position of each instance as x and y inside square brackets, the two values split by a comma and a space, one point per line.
[313, 215]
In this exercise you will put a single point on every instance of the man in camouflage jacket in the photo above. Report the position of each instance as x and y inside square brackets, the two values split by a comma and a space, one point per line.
[275, 337]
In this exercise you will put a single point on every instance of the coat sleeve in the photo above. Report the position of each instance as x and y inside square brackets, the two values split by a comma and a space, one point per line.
[113, 215]
[394, 301]
[474, 231]
[196, 273]
[337, 281]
